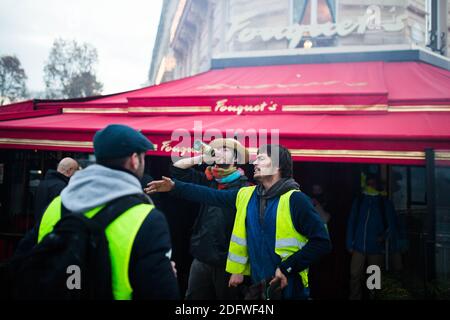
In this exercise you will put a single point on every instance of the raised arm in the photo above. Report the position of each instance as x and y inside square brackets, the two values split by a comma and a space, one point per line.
[187, 163]
[193, 192]
[183, 169]
[189, 175]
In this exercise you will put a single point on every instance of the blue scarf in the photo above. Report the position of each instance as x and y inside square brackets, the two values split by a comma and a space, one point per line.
[230, 178]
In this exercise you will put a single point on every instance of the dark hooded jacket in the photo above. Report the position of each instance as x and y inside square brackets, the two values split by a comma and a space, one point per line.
[49, 188]
[150, 272]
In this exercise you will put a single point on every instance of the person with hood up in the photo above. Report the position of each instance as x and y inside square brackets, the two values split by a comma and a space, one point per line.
[141, 238]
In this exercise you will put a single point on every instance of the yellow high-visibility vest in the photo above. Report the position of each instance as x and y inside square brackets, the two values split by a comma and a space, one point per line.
[120, 235]
[287, 240]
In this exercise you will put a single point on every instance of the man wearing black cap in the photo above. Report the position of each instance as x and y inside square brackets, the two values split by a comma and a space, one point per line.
[142, 238]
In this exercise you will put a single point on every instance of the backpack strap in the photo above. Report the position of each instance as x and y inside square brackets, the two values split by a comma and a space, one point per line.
[114, 209]
[118, 206]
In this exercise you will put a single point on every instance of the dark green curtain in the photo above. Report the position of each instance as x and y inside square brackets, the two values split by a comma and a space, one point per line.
[332, 6]
[299, 7]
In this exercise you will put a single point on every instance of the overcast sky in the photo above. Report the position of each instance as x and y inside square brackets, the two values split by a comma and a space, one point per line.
[122, 31]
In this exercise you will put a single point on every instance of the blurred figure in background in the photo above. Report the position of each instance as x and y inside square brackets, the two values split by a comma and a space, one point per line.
[320, 202]
[371, 223]
[52, 185]
[321, 272]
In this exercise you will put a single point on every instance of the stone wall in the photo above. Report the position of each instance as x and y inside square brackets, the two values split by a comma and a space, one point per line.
[206, 29]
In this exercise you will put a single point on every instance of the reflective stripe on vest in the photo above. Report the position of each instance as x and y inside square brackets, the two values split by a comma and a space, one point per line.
[287, 239]
[120, 235]
[237, 261]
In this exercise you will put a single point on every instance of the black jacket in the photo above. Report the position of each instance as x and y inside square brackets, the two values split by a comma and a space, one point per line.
[212, 229]
[49, 188]
[150, 272]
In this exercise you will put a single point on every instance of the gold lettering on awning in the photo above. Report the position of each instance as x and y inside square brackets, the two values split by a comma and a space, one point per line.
[221, 106]
[166, 146]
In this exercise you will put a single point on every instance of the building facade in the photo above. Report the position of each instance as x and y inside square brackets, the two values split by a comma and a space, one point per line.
[348, 86]
[194, 32]
[195, 36]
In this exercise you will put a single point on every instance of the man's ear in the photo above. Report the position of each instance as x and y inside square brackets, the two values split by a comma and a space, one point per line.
[135, 161]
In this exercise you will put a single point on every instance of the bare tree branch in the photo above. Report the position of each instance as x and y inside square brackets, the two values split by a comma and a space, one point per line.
[12, 80]
[70, 70]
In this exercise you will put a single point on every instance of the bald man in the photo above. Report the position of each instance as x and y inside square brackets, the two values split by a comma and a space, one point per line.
[52, 185]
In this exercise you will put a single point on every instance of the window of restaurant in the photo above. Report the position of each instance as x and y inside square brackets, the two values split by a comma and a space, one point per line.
[441, 280]
[421, 249]
[416, 262]
[408, 194]
[313, 12]
[436, 25]
[20, 174]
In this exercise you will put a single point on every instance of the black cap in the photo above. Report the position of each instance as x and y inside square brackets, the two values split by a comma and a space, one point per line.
[119, 141]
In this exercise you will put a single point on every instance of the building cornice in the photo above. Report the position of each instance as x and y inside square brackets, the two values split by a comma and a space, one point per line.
[389, 53]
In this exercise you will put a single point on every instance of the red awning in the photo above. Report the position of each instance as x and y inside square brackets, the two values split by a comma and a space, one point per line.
[386, 138]
[23, 106]
[303, 88]
[358, 112]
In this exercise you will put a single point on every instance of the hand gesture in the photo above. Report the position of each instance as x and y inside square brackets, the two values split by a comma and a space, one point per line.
[164, 185]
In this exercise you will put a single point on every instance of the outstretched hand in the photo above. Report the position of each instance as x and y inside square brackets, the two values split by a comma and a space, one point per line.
[164, 185]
